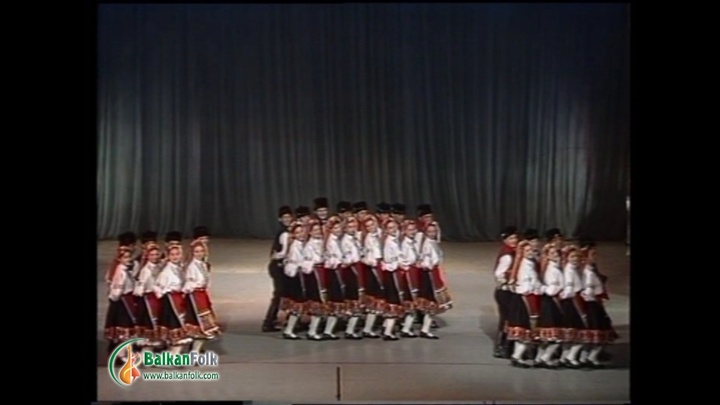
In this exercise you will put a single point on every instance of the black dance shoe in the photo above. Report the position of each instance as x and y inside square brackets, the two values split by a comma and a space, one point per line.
[316, 338]
[428, 335]
[517, 363]
[371, 335]
[270, 328]
[390, 337]
[329, 336]
[500, 353]
[353, 336]
[290, 336]
[408, 335]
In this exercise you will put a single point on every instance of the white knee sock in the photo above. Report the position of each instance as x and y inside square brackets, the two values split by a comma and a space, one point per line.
[584, 353]
[351, 325]
[290, 327]
[565, 351]
[409, 319]
[197, 345]
[539, 353]
[573, 354]
[519, 350]
[369, 323]
[389, 326]
[549, 352]
[330, 325]
[594, 353]
[314, 323]
[427, 321]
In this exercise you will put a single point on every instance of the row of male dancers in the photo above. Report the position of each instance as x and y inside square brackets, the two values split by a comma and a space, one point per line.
[157, 294]
[356, 266]
[550, 302]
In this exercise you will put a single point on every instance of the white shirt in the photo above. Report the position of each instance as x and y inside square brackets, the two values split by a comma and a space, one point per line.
[409, 254]
[284, 242]
[146, 279]
[313, 254]
[553, 278]
[196, 276]
[573, 283]
[430, 254]
[294, 258]
[419, 236]
[170, 279]
[391, 253]
[351, 249]
[592, 285]
[121, 283]
[502, 268]
[333, 253]
[528, 281]
[373, 250]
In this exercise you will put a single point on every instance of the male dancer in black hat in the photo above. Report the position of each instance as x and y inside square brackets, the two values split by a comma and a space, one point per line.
[277, 264]
[322, 210]
[503, 294]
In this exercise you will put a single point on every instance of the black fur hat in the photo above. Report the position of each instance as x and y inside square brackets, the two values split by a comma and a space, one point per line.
[508, 231]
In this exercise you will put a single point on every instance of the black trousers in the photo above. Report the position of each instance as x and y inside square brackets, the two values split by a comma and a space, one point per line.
[503, 298]
[275, 271]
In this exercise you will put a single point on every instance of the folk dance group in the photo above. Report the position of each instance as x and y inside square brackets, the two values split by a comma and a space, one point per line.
[159, 294]
[357, 267]
[550, 302]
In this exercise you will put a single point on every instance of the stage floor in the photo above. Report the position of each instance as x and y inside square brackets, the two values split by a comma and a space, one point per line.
[458, 367]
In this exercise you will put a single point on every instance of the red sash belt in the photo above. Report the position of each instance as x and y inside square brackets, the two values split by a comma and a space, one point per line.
[533, 303]
[153, 303]
[321, 273]
[438, 277]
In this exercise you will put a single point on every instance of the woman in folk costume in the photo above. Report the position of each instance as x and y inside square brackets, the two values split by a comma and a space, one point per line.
[120, 318]
[292, 296]
[312, 272]
[332, 280]
[425, 217]
[374, 297]
[589, 246]
[146, 238]
[126, 240]
[433, 295]
[393, 280]
[172, 238]
[200, 320]
[352, 276]
[573, 306]
[410, 273]
[524, 304]
[202, 233]
[168, 289]
[600, 331]
[503, 294]
[147, 302]
[551, 321]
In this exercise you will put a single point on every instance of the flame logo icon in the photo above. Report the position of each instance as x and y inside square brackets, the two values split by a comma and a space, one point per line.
[129, 372]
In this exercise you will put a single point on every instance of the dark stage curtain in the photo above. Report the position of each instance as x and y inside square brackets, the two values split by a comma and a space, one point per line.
[494, 114]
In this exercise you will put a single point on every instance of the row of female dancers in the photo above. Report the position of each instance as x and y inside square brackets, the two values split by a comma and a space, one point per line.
[357, 266]
[551, 302]
[159, 295]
